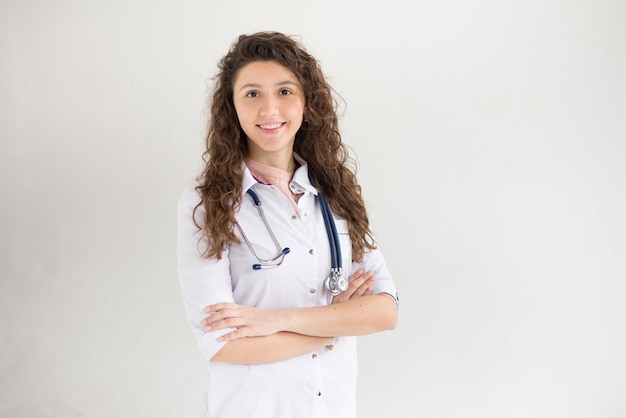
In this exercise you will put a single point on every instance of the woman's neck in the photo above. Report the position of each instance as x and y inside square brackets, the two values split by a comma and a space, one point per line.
[284, 164]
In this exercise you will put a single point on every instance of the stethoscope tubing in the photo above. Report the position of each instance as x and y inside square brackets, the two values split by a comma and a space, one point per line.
[334, 283]
[333, 236]
[283, 251]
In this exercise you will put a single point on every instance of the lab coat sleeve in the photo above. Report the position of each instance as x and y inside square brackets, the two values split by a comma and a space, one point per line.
[373, 260]
[202, 281]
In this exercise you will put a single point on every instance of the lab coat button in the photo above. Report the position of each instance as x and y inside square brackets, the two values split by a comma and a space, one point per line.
[314, 356]
[311, 290]
[293, 217]
[319, 393]
[311, 251]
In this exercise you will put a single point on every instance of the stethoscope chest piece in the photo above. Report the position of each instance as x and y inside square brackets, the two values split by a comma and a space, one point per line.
[335, 282]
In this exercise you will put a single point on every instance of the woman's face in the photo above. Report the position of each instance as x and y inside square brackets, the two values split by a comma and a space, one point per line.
[270, 106]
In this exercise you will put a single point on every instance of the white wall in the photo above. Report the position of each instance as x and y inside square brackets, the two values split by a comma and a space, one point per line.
[491, 137]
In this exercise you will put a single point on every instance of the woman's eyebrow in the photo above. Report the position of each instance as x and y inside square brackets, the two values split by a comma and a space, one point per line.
[258, 86]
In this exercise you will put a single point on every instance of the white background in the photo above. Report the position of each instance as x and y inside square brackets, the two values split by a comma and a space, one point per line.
[491, 137]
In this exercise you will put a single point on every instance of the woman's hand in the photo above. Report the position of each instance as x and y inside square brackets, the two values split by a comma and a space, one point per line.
[360, 284]
[249, 321]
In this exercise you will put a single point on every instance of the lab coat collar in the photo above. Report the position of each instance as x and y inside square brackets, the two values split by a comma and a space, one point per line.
[300, 177]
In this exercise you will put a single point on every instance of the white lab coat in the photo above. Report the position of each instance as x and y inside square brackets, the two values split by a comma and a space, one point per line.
[318, 384]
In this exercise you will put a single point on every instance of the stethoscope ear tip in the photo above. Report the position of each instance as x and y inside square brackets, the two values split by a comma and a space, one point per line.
[256, 267]
[286, 250]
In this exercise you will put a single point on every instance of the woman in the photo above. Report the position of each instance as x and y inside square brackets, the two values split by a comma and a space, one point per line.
[276, 325]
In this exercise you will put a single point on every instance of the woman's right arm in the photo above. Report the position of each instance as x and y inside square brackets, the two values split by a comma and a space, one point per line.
[201, 280]
[282, 345]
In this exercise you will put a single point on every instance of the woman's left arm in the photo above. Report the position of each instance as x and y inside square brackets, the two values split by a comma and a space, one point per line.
[357, 316]
[369, 305]
[354, 312]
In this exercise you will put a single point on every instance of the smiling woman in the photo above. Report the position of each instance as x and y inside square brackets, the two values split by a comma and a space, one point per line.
[279, 332]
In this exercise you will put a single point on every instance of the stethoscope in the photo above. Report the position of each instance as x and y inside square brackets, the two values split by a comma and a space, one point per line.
[335, 283]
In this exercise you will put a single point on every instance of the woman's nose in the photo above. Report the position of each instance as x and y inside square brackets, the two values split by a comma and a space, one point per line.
[269, 107]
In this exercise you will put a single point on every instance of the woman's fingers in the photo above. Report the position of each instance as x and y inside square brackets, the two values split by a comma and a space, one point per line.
[248, 320]
[360, 284]
[222, 315]
[220, 306]
[365, 287]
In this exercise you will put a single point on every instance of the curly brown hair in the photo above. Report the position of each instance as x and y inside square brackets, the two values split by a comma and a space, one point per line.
[318, 142]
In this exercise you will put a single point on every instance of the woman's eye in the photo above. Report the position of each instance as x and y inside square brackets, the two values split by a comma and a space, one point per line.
[285, 92]
[252, 94]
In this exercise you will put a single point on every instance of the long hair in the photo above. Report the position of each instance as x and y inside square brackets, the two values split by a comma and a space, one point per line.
[318, 142]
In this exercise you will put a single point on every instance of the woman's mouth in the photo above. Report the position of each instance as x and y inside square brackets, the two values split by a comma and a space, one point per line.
[271, 126]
